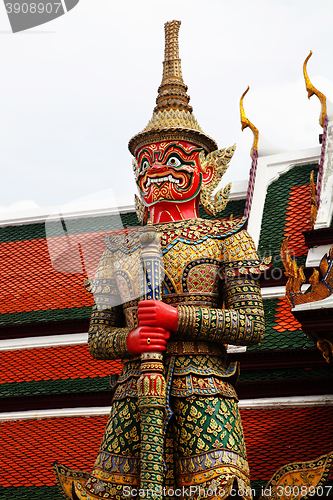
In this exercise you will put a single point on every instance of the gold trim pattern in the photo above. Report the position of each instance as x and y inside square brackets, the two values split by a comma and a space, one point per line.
[320, 289]
[298, 478]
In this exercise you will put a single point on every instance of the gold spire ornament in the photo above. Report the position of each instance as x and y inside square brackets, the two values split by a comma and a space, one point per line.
[246, 123]
[313, 91]
[172, 116]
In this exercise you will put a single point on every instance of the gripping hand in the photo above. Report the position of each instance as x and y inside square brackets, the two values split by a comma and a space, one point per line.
[158, 314]
[147, 339]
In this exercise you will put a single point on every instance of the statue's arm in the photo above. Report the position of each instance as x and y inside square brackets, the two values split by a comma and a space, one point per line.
[107, 341]
[241, 321]
[109, 337]
[107, 332]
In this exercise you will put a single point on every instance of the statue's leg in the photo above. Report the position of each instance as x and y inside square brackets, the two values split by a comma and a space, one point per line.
[210, 451]
[116, 473]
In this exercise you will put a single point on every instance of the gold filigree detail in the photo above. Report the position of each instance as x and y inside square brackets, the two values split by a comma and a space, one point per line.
[326, 347]
[294, 273]
[172, 118]
[298, 479]
[219, 161]
[319, 289]
[314, 204]
[313, 91]
[246, 123]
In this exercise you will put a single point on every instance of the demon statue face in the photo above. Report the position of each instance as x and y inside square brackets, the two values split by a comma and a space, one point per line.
[170, 171]
[172, 176]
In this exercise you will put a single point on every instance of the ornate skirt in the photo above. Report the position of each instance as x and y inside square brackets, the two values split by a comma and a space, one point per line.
[204, 449]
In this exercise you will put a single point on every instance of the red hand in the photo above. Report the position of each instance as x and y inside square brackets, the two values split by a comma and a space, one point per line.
[147, 339]
[158, 314]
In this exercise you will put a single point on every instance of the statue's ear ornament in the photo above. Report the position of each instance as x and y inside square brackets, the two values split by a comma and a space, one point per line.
[141, 210]
[219, 161]
[135, 167]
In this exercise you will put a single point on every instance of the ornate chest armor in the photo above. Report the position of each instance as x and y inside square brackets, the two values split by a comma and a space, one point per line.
[207, 278]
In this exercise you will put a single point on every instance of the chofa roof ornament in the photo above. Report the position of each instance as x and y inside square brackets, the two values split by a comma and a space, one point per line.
[313, 91]
[172, 116]
[246, 123]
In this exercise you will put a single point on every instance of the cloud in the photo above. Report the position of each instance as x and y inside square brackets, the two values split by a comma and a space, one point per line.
[18, 206]
[70, 100]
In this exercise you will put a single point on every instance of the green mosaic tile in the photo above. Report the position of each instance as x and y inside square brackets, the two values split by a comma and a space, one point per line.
[47, 316]
[31, 493]
[274, 340]
[60, 386]
[273, 222]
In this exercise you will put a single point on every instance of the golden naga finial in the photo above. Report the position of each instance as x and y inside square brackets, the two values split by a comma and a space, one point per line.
[246, 123]
[313, 91]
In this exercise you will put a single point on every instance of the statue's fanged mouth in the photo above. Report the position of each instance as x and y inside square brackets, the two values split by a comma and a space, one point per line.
[179, 180]
[161, 180]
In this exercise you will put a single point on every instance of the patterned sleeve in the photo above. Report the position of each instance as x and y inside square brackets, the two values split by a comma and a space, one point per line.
[241, 322]
[107, 332]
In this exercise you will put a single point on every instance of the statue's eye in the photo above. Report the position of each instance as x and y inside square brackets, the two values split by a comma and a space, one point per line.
[144, 165]
[173, 161]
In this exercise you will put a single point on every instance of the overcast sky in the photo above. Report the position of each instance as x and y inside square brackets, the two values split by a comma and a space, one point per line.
[75, 90]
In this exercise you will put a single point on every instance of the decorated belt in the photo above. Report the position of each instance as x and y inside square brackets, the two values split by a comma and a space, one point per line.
[186, 347]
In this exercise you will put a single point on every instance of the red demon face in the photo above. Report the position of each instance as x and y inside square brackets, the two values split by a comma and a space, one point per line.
[169, 171]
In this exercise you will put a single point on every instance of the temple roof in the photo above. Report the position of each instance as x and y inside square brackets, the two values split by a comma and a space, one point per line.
[274, 436]
[38, 299]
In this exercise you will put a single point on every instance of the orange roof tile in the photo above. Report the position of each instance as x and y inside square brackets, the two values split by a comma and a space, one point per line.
[52, 363]
[29, 447]
[274, 437]
[33, 284]
[298, 218]
[286, 321]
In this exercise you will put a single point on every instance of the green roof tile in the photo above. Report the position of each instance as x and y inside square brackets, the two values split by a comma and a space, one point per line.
[275, 340]
[84, 225]
[40, 387]
[274, 214]
[285, 374]
[46, 316]
[31, 493]
[97, 384]
[72, 226]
